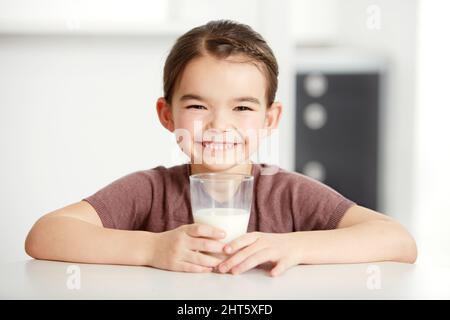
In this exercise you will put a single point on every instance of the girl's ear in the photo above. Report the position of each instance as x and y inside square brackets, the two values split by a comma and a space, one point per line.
[165, 114]
[273, 116]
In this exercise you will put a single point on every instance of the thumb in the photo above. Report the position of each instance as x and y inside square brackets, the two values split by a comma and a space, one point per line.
[279, 268]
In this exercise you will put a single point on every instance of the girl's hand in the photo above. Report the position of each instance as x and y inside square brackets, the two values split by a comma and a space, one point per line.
[181, 249]
[253, 249]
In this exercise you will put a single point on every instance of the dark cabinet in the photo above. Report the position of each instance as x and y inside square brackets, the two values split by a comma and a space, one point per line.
[337, 132]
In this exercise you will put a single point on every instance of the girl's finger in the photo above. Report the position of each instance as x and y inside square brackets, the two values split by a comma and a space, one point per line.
[202, 259]
[190, 267]
[279, 268]
[206, 245]
[238, 257]
[204, 230]
[241, 242]
[252, 261]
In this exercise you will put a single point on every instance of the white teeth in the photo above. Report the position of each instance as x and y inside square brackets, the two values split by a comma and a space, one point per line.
[218, 146]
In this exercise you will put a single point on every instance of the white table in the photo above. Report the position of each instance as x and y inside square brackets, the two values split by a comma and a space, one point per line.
[34, 279]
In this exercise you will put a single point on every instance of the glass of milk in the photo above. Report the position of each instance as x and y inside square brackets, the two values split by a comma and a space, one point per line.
[222, 200]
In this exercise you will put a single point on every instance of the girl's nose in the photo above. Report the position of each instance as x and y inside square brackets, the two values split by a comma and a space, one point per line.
[219, 121]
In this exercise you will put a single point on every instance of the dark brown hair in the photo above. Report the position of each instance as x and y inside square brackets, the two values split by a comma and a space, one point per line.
[221, 38]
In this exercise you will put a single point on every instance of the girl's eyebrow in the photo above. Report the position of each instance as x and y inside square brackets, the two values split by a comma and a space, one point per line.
[239, 99]
[191, 97]
[247, 99]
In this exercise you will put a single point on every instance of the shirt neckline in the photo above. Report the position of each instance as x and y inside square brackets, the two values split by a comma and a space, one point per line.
[253, 172]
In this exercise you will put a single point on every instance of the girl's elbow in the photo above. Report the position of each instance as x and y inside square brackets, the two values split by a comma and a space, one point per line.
[413, 254]
[33, 242]
[408, 250]
[32, 245]
[405, 247]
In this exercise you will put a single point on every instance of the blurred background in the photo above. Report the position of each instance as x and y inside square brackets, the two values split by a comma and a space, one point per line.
[363, 83]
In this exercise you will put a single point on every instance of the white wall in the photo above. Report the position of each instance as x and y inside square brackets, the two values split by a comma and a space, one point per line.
[432, 148]
[77, 105]
[395, 41]
[75, 114]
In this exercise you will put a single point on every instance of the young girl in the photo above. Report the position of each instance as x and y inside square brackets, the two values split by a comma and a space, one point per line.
[220, 81]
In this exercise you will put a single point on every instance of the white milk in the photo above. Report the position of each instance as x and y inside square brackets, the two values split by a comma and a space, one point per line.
[233, 221]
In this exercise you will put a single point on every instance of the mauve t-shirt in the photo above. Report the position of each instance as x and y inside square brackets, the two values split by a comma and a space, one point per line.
[158, 200]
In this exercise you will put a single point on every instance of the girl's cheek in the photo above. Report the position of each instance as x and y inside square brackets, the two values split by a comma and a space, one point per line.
[253, 125]
[186, 122]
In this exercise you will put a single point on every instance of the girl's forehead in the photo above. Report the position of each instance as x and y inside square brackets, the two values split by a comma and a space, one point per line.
[213, 76]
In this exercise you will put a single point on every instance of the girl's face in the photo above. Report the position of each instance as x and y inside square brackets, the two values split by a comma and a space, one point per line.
[219, 111]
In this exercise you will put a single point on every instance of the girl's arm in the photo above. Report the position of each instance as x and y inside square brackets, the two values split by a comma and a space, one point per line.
[75, 233]
[363, 235]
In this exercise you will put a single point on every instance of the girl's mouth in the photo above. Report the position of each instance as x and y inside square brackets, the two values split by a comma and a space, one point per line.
[219, 146]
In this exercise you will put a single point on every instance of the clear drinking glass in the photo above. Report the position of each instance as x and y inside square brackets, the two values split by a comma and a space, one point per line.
[222, 200]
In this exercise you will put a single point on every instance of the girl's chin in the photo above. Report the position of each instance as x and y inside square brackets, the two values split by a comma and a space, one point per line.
[214, 167]
[206, 166]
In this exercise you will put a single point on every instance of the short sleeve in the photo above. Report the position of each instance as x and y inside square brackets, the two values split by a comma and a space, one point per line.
[322, 207]
[125, 203]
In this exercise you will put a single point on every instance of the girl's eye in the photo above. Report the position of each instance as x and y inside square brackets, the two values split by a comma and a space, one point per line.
[242, 108]
[199, 107]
